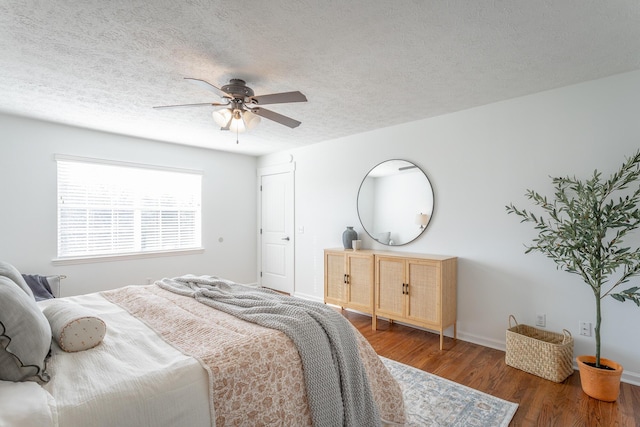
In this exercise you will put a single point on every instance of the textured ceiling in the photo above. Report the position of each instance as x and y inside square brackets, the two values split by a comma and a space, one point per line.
[362, 64]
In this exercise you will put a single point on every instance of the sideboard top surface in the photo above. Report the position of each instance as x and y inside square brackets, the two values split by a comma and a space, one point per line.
[394, 254]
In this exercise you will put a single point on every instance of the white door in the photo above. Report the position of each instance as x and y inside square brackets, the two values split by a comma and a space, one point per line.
[276, 228]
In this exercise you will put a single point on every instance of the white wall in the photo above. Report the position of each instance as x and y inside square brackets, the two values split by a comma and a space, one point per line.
[478, 161]
[28, 205]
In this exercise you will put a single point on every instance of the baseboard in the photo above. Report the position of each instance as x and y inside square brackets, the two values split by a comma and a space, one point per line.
[632, 378]
[307, 297]
[483, 341]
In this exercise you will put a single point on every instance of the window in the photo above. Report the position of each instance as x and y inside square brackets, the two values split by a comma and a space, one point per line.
[109, 208]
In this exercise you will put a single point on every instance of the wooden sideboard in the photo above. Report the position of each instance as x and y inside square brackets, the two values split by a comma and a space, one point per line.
[411, 288]
[348, 278]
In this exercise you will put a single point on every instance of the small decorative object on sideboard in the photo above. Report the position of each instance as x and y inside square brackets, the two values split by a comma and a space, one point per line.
[348, 236]
[582, 229]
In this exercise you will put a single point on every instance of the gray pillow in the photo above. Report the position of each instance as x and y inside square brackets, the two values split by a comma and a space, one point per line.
[54, 282]
[8, 270]
[25, 335]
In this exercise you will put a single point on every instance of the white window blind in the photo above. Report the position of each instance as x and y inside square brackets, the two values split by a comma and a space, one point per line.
[119, 209]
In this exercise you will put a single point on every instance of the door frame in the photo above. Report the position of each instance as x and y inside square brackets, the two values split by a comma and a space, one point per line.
[272, 170]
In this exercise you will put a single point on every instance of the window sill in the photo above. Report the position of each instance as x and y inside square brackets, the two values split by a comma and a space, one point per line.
[124, 257]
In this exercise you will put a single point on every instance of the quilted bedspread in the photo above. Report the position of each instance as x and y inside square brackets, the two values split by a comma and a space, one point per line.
[255, 373]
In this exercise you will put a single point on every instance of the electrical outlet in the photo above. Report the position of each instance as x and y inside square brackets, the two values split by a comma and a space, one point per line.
[585, 329]
[541, 320]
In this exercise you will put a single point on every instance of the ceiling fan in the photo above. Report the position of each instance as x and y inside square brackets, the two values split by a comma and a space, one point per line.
[243, 108]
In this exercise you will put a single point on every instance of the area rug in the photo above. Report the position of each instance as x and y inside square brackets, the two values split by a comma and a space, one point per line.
[430, 400]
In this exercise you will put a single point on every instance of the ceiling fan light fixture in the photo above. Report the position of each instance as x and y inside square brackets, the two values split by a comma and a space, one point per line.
[251, 120]
[238, 120]
[237, 125]
[222, 116]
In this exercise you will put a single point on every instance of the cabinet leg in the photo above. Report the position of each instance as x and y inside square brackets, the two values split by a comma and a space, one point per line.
[455, 334]
[374, 322]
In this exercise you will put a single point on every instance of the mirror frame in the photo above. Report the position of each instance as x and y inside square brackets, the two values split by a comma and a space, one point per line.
[392, 163]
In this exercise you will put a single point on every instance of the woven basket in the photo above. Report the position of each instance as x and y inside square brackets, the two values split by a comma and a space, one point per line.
[546, 354]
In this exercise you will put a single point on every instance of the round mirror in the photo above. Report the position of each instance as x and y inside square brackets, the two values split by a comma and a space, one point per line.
[395, 202]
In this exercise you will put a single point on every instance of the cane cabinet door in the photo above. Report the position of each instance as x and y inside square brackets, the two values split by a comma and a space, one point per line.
[423, 291]
[390, 285]
[349, 279]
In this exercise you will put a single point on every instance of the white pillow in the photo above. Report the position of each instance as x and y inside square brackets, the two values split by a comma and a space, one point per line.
[74, 327]
[8, 270]
[25, 335]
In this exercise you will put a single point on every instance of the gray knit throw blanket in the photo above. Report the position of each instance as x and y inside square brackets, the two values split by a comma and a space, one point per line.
[337, 386]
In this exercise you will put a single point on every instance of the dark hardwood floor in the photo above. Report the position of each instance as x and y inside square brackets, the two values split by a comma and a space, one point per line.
[541, 402]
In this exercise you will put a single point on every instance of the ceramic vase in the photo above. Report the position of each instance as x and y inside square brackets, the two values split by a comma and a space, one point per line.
[348, 236]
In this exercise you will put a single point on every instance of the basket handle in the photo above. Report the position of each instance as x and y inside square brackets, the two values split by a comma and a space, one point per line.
[511, 316]
[567, 335]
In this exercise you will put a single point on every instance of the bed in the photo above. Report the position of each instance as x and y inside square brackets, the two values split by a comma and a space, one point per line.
[157, 355]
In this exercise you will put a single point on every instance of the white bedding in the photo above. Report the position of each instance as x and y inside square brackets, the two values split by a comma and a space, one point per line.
[116, 384]
[26, 404]
[134, 377]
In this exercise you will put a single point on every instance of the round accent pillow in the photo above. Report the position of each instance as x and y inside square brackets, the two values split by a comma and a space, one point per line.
[74, 327]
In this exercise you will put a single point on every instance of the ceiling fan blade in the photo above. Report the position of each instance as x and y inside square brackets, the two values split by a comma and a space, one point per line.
[203, 104]
[209, 86]
[279, 98]
[276, 117]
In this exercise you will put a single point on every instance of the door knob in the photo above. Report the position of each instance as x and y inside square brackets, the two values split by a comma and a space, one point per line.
[285, 238]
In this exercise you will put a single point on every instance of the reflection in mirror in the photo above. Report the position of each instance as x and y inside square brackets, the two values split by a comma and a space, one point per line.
[395, 202]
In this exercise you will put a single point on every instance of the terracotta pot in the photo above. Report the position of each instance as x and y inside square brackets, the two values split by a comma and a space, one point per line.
[601, 384]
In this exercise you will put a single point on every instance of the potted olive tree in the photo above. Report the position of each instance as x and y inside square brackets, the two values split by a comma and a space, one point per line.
[582, 229]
